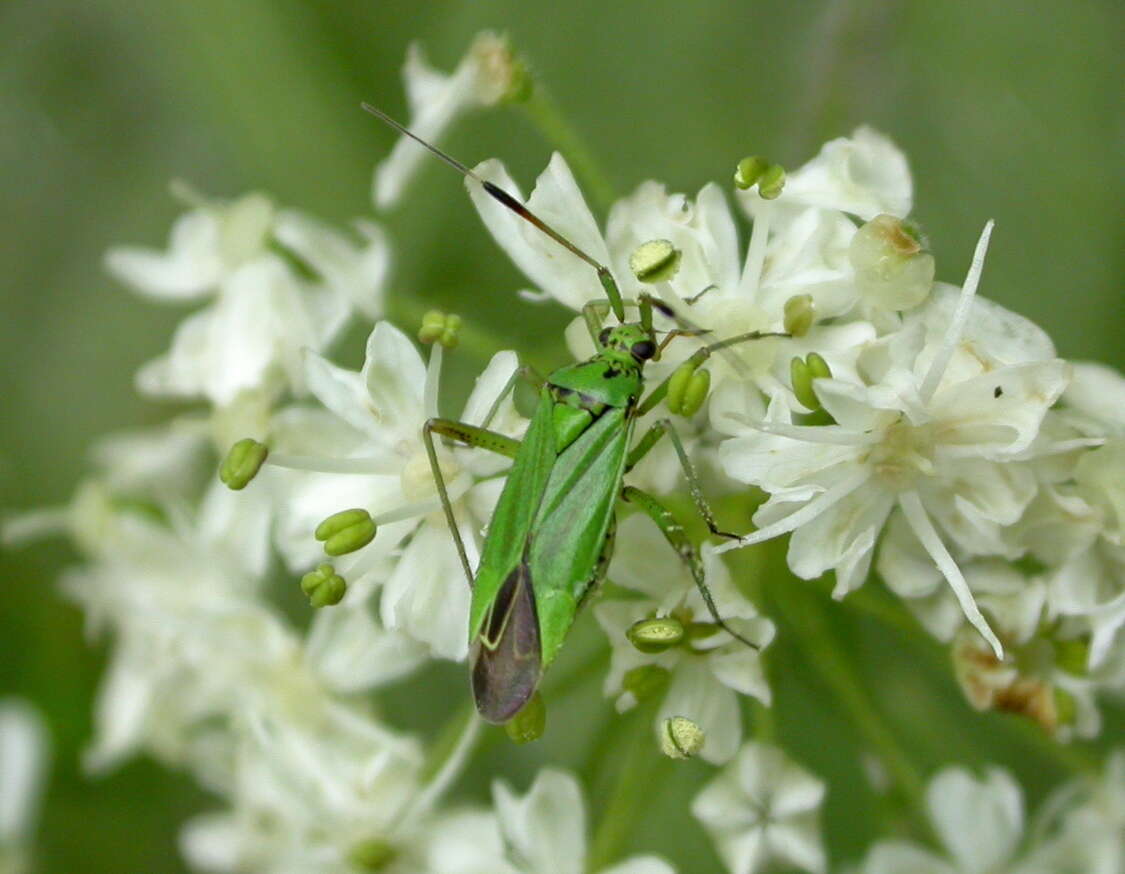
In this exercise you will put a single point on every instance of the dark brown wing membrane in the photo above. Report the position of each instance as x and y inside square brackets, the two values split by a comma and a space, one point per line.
[506, 657]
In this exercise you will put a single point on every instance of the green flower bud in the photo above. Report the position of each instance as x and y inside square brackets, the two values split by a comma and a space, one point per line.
[645, 681]
[678, 386]
[892, 272]
[1072, 655]
[242, 463]
[656, 635]
[439, 327]
[800, 313]
[372, 855]
[801, 378]
[529, 723]
[696, 392]
[324, 586]
[680, 738]
[771, 182]
[346, 531]
[749, 171]
[655, 261]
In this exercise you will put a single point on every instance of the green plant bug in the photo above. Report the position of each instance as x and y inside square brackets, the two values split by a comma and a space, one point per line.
[551, 535]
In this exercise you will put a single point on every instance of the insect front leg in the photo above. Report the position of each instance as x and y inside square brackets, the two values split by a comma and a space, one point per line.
[469, 435]
[677, 538]
[650, 438]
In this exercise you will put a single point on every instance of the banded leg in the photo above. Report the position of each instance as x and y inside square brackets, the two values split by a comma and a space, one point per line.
[644, 446]
[674, 533]
[469, 435]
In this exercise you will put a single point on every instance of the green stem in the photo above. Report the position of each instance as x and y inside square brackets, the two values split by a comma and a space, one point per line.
[806, 619]
[639, 771]
[545, 114]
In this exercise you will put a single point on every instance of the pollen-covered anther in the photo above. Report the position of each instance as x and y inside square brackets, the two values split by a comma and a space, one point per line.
[439, 327]
[656, 635]
[324, 586]
[655, 261]
[346, 531]
[242, 463]
[681, 738]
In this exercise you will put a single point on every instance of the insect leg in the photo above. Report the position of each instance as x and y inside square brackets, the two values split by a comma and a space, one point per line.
[674, 533]
[470, 435]
[650, 438]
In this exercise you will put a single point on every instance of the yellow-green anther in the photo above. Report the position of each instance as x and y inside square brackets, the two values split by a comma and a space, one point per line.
[645, 681]
[749, 171]
[655, 261]
[439, 327]
[800, 313]
[242, 463]
[771, 182]
[818, 367]
[372, 855]
[678, 385]
[324, 586]
[680, 738]
[1072, 655]
[529, 723]
[696, 392]
[801, 378]
[1066, 710]
[346, 531]
[656, 635]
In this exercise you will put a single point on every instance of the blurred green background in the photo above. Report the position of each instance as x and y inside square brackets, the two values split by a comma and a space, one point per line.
[1009, 110]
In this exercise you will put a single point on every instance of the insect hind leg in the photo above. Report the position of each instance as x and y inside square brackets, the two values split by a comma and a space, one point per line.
[674, 533]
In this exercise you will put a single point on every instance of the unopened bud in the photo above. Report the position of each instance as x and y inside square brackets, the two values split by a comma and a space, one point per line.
[800, 313]
[242, 463]
[439, 327]
[529, 723]
[655, 261]
[771, 182]
[346, 531]
[656, 635]
[645, 681]
[680, 738]
[749, 171]
[324, 586]
[892, 271]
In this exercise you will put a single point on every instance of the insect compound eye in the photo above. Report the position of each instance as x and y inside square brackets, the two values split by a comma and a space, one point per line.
[643, 350]
[603, 337]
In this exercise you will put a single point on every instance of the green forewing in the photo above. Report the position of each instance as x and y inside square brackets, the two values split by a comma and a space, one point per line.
[511, 522]
[573, 518]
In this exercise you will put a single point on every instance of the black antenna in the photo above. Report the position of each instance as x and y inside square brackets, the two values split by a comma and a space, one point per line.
[604, 276]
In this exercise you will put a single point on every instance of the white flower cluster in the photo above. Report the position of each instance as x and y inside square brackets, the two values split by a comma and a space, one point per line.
[890, 419]
[902, 417]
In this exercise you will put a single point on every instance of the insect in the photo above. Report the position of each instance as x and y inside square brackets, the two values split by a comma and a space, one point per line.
[551, 535]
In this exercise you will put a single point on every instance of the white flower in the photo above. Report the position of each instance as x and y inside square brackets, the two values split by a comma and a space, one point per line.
[979, 824]
[487, 74]
[264, 310]
[710, 669]
[23, 765]
[375, 441]
[949, 405]
[545, 830]
[761, 807]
